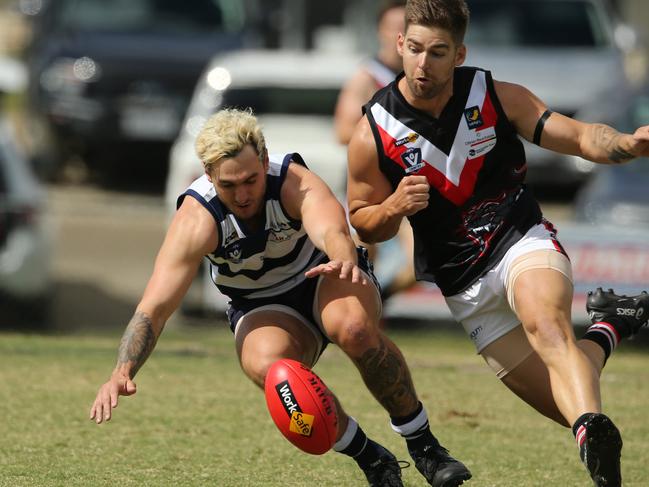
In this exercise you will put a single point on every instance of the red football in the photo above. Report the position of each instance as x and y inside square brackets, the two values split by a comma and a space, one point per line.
[301, 406]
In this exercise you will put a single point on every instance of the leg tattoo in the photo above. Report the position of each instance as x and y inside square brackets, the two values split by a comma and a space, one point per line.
[386, 375]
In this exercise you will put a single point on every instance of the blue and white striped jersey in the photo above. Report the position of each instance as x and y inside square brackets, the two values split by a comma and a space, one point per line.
[258, 264]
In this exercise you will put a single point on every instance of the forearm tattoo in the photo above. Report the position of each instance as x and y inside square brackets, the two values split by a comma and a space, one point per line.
[609, 139]
[386, 375]
[137, 343]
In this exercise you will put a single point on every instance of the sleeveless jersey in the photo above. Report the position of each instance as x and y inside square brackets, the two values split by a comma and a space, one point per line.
[258, 264]
[382, 75]
[475, 165]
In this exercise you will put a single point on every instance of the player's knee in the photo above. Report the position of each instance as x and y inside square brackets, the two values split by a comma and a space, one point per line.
[356, 334]
[257, 368]
[549, 334]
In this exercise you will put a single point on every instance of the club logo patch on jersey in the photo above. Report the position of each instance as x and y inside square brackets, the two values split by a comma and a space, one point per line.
[230, 238]
[279, 231]
[412, 159]
[279, 236]
[481, 142]
[473, 117]
[279, 226]
[411, 137]
[234, 254]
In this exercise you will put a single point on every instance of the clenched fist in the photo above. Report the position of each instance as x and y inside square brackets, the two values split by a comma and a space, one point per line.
[410, 196]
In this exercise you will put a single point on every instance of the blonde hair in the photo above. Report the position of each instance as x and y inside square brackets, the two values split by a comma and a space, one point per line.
[226, 133]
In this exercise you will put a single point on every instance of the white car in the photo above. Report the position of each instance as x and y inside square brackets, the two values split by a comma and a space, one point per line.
[25, 238]
[293, 94]
[25, 235]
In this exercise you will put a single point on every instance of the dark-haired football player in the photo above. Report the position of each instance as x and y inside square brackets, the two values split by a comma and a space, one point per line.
[440, 146]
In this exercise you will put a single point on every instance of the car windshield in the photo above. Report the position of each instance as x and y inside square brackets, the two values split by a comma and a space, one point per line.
[535, 23]
[283, 100]
[150, 15]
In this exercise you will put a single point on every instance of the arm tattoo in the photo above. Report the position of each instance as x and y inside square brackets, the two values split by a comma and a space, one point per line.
[619, 155]
[137, 343]
[609, 139]
[386, 375]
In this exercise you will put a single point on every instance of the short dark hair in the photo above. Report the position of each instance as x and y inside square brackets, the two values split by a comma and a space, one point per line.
[452, 15]
[388, 5]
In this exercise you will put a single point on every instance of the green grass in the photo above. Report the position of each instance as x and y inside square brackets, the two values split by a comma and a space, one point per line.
[196, 420]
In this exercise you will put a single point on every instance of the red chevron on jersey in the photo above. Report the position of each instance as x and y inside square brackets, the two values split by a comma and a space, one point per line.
[453, 175]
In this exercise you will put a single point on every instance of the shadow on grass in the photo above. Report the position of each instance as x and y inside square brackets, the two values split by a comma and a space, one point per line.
[72, 308]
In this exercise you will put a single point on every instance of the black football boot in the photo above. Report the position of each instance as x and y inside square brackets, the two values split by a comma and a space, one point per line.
[629, 313]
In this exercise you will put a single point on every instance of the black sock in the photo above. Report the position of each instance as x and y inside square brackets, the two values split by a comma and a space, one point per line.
[415, 429]
[607, 335]
[579, 430]
[355, 444]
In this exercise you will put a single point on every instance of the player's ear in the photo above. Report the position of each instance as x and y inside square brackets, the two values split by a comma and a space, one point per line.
[460, 55]
[400, 40]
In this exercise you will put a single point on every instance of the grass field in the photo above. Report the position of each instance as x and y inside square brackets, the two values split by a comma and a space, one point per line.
[196, 420]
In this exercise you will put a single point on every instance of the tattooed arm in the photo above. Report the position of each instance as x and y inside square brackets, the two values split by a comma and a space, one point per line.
[137, 344]
[604, 144]
[595, 142]
[191, 235]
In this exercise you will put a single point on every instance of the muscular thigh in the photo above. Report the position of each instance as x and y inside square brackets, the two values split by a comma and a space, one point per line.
[540, 287]
[268, 335]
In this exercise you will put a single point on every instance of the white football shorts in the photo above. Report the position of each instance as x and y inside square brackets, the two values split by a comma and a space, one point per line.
[484, 308]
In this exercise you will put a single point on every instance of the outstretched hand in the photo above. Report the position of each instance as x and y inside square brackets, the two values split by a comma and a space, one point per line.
[106, 399]
[344, 270]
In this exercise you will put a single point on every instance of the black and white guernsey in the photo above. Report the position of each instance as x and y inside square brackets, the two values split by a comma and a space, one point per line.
[258, 264]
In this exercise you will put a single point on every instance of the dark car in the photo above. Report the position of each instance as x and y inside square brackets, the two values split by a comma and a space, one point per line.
[617, 195]
[104, 75]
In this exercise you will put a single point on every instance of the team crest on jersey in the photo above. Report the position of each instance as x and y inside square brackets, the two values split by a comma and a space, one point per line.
[473, 117]
[412, 159]
[234, 254]
[411, 137]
